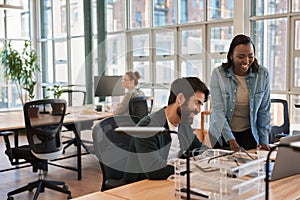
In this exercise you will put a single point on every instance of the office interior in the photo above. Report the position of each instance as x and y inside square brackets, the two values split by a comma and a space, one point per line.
[77, 40]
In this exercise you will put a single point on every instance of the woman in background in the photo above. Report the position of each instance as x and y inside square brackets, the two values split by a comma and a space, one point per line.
[129, 82]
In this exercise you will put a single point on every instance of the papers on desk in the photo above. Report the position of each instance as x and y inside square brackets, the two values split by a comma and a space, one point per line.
[264, 154]
[85, 111]
[87, 114]
[221, 174]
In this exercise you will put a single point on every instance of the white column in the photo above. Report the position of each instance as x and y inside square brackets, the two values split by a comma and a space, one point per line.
[241, 17]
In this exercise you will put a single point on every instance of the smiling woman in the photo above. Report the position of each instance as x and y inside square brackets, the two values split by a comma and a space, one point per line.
[240, 113]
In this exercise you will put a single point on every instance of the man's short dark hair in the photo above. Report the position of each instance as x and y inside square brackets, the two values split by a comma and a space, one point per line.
[188, 86]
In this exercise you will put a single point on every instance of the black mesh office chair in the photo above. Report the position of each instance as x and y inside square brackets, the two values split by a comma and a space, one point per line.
[75, 98]
[111, 147]
[138, 106]
[44, 138]
[280, 123]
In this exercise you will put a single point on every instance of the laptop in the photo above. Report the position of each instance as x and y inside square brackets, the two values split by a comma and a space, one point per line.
[286, 161]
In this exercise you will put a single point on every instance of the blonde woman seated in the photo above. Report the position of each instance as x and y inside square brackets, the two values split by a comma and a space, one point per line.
[129, 82]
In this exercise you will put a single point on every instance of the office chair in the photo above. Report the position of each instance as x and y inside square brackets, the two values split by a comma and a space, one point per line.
[138, 106]
[75, 98]
[109, 146]
[44, 138]
[280, 123]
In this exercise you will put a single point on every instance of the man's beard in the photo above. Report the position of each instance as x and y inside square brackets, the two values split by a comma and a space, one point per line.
[184, 114]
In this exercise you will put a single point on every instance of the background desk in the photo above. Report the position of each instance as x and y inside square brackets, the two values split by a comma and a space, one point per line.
[14, 121]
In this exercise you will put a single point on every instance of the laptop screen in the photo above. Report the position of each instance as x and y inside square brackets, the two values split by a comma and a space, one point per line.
[287, 160]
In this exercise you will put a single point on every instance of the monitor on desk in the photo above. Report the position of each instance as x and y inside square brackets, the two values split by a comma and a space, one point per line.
[108, 86]
[287, 160]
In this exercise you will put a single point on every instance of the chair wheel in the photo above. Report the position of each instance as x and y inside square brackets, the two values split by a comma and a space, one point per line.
[69, 196]
[65, 187]
[10, 198]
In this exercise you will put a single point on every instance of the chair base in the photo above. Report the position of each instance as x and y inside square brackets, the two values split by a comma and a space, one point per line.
[73, 141]
[73, 128]
[40, 186]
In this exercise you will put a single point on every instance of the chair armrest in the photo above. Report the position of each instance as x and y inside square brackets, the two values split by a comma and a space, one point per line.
[203, 113]
[4, 133]
[202, 132]
[8, 150]
[281, 135]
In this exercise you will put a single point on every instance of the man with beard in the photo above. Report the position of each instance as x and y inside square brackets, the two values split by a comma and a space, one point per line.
[151, 157]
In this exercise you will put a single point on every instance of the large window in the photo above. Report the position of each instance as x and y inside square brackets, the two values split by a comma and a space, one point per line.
[170, 39]
[220, 9]
[116, 15]
[62, 42]
[14, 27]
[271, 42]
[277, 47]
[192, 52]
[140, 13]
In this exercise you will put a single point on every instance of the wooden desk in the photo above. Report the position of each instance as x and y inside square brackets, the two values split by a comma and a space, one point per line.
[144, 190]
[287, 188]
[14, 121]
[98, 196]
[11, 121]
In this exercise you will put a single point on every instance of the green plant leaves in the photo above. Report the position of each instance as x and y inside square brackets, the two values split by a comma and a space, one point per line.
[22, 67]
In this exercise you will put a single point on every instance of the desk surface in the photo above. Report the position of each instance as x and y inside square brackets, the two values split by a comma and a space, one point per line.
[15, 120]
[144, 190]
[287, 188]
[98, 196]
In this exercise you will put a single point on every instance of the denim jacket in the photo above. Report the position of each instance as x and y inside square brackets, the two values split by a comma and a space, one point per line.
[223, 87]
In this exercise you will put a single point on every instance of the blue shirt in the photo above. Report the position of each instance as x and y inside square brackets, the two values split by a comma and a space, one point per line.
[223, 87]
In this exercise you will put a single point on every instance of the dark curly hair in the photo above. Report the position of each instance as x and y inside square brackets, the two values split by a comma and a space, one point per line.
[237, 40]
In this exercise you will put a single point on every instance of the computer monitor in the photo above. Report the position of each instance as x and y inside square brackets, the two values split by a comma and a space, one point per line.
[286, 163]
[108, 86]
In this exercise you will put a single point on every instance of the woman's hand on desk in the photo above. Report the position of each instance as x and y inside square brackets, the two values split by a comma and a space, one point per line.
[264, 147]
[234, 146]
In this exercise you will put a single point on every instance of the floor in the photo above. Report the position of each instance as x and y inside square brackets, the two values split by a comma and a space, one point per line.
[91, 176]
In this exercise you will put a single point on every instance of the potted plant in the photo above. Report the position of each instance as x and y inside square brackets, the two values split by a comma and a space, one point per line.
[21, 68]
[57, 91]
